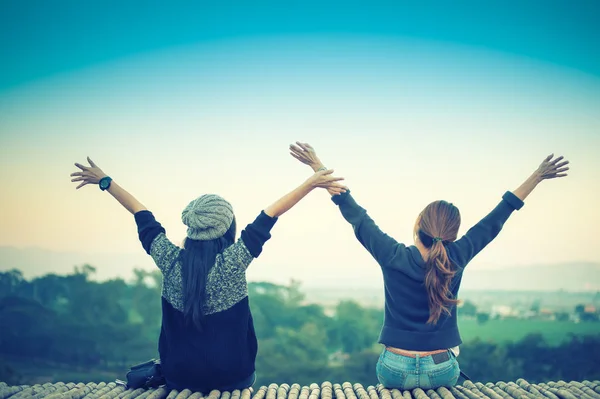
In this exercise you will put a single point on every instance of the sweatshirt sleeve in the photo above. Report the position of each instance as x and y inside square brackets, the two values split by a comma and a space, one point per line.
[480, 235]
[386, 250]
[155, 242]
[251, 242]
[148, 228]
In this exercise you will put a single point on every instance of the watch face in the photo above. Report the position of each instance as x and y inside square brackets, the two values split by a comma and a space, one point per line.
[104, 183]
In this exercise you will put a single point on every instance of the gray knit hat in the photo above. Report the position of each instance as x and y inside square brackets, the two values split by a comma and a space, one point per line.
[207, 217]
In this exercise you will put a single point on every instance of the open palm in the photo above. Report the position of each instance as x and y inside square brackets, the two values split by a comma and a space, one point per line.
[88, 175]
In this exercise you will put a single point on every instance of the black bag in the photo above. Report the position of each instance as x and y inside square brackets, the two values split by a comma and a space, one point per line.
[145, 375]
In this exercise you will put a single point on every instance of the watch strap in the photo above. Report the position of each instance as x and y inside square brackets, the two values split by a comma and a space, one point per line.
[104, 183]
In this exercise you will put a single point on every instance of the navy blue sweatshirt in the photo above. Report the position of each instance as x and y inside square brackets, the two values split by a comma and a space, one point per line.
[224, 352]
[406, 300]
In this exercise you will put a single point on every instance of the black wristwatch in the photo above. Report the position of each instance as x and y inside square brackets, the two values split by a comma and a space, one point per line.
[104, 183]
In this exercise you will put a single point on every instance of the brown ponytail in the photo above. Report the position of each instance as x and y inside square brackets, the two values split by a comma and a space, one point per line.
[438, 223]
[437, 282]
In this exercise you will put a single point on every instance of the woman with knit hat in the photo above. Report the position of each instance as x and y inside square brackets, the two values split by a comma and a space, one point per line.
[420, 331]
[207, 339]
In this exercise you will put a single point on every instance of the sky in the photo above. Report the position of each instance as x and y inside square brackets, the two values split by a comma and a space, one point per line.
[409, 102]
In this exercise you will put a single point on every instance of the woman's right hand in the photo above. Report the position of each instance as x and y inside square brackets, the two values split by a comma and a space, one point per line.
[304, 153]
[324, 179]
[551, 168]
[88, 175]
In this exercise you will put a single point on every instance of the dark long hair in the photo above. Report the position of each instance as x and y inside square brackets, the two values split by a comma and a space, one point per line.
[437, 224]
[197, 258]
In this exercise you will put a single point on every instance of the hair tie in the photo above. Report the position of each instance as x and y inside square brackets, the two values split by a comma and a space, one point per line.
[436, 239]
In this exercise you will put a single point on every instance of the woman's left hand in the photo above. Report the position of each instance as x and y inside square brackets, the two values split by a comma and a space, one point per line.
[324, 179]
[304, 153]
[89, 174]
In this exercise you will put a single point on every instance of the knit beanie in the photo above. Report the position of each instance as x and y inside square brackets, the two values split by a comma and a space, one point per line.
[207, 217]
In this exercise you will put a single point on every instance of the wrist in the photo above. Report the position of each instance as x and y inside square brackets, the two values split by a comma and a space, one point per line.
[308, 185]
[318, 167]
[535, 178]
[316, 164]
[105, 183]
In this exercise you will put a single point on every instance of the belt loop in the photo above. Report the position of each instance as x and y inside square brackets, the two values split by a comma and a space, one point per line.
[417, 364]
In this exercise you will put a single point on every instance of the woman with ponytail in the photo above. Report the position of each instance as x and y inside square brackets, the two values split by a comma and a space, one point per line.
[207, 338]
[420, 332]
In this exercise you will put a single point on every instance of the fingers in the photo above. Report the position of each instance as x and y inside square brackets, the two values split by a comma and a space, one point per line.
[301, 154]
[78, 179]
[331, 178]
[327, 184]
[333, 191]
[556, 176]
[299, 158]
[91, 162]
[81, 174]
[80, 166]
[338, 189]
[296, 149]
[325, 172]
[553, 168]
[338, 186]
[81, 185]
[304, 146]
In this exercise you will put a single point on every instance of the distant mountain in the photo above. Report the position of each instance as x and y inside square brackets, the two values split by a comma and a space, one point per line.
[573, 277]
[570, 277]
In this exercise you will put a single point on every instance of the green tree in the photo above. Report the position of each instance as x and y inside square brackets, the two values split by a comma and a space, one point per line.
[482, 318]
[467, 309]
[293, 355]
[353, 328]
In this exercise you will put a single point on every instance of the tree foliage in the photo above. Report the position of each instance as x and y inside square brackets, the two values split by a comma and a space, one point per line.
[108, 326]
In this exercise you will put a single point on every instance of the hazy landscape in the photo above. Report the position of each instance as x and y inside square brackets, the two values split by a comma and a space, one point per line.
[516, 314]
[73, 327]
[570, 277]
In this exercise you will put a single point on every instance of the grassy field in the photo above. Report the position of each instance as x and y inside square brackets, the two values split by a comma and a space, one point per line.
[514, 330]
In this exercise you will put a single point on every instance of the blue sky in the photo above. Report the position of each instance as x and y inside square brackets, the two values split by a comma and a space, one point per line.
[409, 103]
[41, 38]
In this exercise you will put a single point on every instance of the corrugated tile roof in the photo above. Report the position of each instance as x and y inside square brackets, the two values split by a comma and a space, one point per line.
[520, 389]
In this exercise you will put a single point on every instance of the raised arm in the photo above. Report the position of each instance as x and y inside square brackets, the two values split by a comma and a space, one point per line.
[304, 153]
[93, 175]
[257, 233]
[548, 169]
[480, 235]
[321, 178]
[380, 245]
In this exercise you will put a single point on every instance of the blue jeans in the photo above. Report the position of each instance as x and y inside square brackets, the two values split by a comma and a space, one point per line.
[403, 372]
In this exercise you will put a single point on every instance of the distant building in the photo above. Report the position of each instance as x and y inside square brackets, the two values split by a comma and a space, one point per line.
[503, 312]
[590, 309]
